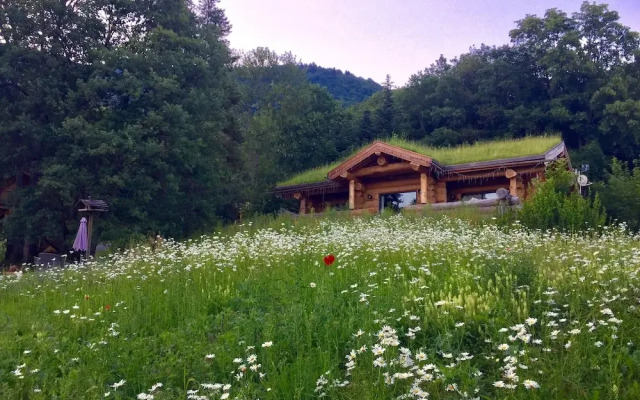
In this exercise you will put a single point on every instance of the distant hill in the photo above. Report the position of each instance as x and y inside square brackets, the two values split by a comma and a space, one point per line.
[343, 86]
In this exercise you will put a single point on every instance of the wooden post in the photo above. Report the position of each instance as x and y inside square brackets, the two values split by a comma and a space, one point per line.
[423, 188]
[303, 202]
[89, 232]
[303, 206]
[516, 187]
[352, 194]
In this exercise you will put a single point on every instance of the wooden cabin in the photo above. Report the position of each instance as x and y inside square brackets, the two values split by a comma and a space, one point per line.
[360, 182]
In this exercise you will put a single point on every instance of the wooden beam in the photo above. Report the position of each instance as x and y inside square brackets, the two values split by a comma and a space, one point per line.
[510, 173]
[346, 175]
[423, 188]
[387, 169]
[390, 184]
[394, 189]
[382, 160]
[297, 195]
[487, 174]
[417, 167]
[352, 194]
[351, 177]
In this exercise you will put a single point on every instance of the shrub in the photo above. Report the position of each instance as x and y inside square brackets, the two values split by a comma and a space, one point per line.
[621, 193]
[556, 203]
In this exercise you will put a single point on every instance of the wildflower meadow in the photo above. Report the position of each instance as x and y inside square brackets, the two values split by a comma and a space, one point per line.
[386, 307]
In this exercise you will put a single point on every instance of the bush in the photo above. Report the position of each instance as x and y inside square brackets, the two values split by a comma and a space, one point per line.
[621, 193]
[556, 203]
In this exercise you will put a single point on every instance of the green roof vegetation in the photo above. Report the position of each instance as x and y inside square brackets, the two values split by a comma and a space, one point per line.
[479, 151]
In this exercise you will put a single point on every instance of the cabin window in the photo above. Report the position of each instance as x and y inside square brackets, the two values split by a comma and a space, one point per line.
[479, 196]
[397, 201]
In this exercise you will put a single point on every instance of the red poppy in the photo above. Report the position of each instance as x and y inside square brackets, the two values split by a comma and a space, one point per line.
[107, 307]
[328, 260]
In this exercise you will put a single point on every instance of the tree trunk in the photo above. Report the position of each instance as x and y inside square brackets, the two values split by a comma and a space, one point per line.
[13, 253]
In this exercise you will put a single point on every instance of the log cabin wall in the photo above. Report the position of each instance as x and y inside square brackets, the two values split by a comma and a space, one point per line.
[367, 190]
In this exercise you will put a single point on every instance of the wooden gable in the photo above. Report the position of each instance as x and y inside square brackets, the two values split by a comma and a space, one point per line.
[364, 162]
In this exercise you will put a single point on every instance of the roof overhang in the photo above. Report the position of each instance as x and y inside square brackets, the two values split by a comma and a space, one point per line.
[309, 189]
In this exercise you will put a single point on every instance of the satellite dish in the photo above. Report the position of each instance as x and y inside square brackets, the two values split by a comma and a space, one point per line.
[583, 180]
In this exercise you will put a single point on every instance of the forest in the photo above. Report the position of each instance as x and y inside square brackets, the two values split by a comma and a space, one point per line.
[145, 105]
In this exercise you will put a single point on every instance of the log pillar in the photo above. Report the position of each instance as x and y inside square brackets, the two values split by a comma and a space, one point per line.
[303, 202]
[303, 206]
[352, 194]
[424, 181]
[516, 186]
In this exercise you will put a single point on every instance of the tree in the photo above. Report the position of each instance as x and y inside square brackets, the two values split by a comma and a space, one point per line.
[385, 115]
[366, 128]
[212, 16]
[134, 104]
[289, 124]
[620, 194]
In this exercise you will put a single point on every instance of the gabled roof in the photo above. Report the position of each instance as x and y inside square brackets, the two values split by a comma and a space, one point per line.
[378, 148]
[491, 155]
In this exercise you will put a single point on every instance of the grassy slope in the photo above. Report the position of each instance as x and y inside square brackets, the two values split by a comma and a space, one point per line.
[481, 151]
[146, 317]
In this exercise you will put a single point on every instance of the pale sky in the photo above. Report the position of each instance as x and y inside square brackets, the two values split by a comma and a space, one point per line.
[372, 38]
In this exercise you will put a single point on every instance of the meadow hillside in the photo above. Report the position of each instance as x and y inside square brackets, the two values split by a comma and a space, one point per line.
[387, 307]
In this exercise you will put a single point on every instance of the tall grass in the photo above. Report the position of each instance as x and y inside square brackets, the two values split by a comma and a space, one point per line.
[411, 305]
[480, 151]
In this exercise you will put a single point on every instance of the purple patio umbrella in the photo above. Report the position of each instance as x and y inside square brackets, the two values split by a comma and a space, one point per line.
[80, 244]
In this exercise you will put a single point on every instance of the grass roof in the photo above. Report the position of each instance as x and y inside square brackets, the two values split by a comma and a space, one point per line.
[479, 151]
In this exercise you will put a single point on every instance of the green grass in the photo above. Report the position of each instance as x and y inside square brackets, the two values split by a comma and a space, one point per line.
[317, 174]
[480, 151]
[482, 306]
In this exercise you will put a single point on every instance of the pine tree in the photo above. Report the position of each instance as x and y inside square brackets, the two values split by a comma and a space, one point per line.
[385, 122]
[366, 128]
[210, 15]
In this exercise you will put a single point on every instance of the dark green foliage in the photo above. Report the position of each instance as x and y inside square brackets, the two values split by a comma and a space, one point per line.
[343, 86]
[95, 108]
[621, 194]
[385, 121]
[289, 124]
[575, 74]
[556, 204]
[366, 128]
